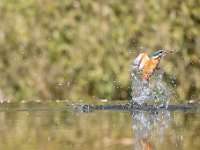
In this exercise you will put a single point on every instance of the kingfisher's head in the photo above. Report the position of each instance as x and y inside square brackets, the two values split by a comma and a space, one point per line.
[161, 53]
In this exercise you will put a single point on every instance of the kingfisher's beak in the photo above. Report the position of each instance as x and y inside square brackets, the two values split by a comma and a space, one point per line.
[169, 51]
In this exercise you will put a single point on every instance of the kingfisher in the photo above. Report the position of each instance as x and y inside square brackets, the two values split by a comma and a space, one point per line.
[147, 65]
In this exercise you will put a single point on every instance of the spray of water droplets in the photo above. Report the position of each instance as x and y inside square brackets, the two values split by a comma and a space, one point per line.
[155, 92]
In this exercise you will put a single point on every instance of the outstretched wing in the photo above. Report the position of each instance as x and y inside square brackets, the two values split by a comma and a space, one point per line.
[140, 61]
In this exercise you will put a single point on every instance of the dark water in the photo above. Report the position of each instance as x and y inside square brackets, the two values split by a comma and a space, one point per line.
[62, 125]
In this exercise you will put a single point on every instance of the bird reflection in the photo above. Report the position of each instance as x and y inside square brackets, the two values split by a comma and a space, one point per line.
[147, 125]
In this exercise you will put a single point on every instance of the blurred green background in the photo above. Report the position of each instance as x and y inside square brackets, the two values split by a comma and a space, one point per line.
[82, 49]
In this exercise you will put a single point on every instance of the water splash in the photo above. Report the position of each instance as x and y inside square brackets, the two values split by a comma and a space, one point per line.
[155, 92]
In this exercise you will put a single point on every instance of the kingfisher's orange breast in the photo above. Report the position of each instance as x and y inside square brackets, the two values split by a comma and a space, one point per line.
[149, 68]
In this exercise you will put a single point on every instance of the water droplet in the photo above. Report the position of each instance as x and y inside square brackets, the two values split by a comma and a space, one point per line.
[145, 93]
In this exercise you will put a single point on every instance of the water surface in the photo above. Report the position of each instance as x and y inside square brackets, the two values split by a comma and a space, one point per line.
[62, 125]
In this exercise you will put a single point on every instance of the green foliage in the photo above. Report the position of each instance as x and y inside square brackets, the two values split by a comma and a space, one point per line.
[83, 49]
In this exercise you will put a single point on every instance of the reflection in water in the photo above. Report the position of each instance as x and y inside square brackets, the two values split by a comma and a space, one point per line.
[51, 125]
[149, 125]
